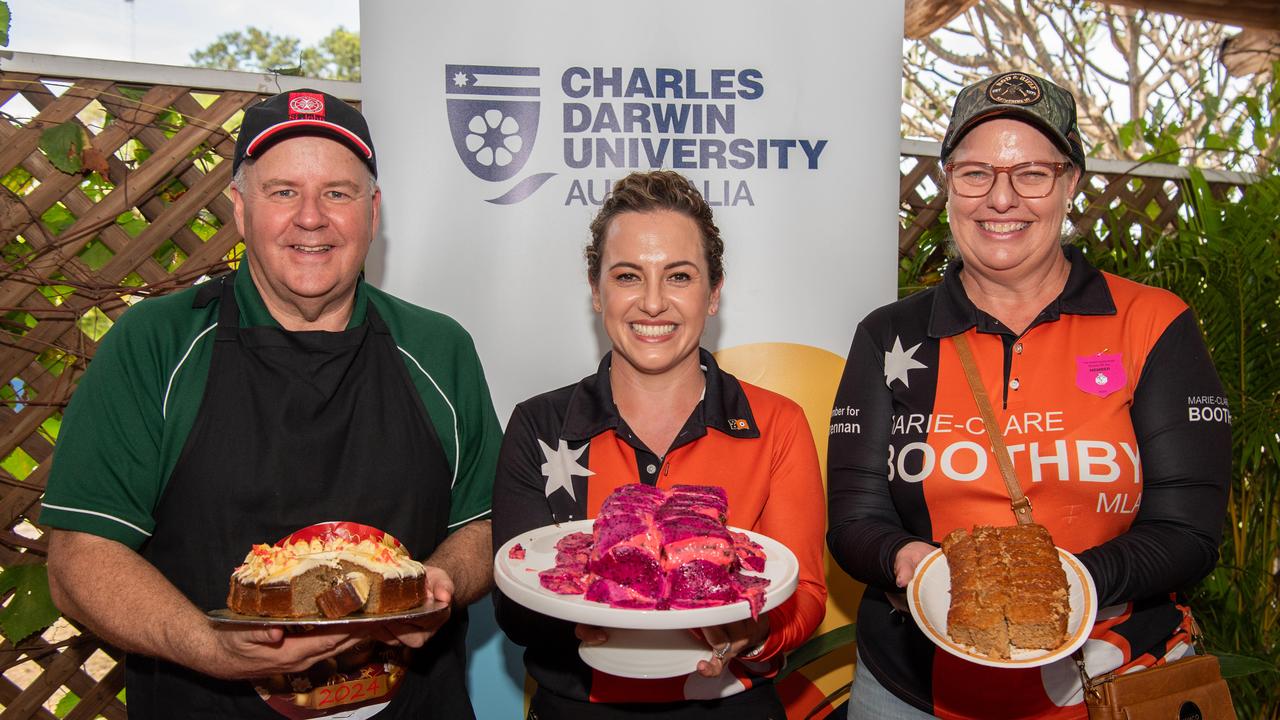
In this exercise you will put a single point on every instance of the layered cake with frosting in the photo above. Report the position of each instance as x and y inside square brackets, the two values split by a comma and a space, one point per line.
[1008, 590]
[660, 549]
[329, 573]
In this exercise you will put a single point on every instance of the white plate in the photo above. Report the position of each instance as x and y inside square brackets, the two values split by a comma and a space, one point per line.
[929, 597]
[230, 617]
[647, 653]
[642, 643]
[518, 579]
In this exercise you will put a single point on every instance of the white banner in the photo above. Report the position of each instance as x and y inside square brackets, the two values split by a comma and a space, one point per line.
[499, 127]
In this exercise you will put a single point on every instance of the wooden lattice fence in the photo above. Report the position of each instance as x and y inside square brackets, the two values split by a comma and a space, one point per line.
[76, 249]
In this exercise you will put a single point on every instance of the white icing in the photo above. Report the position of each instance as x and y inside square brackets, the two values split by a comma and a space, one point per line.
[360, 584]
[279, 563]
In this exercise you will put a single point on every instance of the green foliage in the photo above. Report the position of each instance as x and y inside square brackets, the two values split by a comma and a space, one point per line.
[15, 251]
[71, 700]
[55, 361]
[96, 187]
[1224, 260]
[924, 268]
[17, 181]
[132, 93]
[30, 608]
[63, 144]
[1160, 143]
[9, 396]
[1236, 300]
[95, 254]
[205, 224]
[18, 463]
[131, 222]
[250, 49]
[818, 647]
[169, 256]
[57, 218]
[51, 426]
[66, 704]
[4, 24]
[336, 57]
[1237, 666]
[94, 323]
[18, 322]
[55, 294]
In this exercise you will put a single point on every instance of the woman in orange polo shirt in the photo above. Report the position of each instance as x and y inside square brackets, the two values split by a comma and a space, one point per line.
[1110, 407]
[660, 411]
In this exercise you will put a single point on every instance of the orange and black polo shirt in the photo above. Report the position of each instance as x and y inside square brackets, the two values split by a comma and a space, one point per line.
[1119, 433]
[566, 450]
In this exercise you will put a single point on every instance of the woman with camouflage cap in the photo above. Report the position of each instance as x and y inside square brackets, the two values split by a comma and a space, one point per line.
[1102, 389]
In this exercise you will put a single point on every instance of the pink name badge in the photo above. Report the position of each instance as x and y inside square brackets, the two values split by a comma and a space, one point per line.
[1100, 375]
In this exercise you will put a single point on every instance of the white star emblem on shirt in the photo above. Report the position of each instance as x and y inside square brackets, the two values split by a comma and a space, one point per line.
[561, 466]
[898, 362]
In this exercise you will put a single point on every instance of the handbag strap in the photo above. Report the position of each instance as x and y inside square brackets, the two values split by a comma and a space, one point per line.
[1018, 501]
[1089, 683]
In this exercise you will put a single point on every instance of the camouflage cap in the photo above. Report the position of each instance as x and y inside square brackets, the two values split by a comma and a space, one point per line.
[1022, 96]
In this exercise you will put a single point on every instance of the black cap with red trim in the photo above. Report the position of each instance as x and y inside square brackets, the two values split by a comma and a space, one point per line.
[303, 112]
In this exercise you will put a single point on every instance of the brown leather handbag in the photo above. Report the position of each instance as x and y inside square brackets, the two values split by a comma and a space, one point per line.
[1188, 689]
[1191, 688]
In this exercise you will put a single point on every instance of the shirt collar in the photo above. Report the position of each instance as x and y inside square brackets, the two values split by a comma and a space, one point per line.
[1086, 293]
[254, 313]
[723, 407]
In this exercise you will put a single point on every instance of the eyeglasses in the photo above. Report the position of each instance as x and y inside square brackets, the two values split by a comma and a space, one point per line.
[1029, 179]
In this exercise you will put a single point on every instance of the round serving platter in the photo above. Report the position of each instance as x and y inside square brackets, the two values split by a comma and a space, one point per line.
[228, 617]
[929, 597]
[642, 643]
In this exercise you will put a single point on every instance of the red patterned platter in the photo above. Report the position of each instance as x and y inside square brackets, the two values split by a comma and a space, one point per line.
[355, 532]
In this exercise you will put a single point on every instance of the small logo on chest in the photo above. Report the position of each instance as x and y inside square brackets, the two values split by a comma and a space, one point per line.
[1100, 374]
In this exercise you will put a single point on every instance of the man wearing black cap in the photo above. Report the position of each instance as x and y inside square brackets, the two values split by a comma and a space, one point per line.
[279, 396]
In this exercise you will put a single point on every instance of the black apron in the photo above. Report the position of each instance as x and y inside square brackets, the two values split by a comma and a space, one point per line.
[297, 428]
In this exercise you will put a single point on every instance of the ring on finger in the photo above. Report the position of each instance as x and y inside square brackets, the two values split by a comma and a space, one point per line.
[723, 650]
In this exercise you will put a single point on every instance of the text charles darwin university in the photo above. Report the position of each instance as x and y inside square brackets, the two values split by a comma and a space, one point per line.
[615, 120]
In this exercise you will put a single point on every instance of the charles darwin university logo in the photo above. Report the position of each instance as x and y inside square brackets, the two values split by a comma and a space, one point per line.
[493, 118]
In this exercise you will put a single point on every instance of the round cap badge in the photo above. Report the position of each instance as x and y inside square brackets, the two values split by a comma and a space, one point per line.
[1014, 89]
[305, 105]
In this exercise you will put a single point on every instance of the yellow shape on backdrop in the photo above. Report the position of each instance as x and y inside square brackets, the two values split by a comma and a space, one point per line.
[809, 376]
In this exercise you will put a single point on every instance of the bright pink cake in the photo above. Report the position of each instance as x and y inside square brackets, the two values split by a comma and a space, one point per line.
[660, 549]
